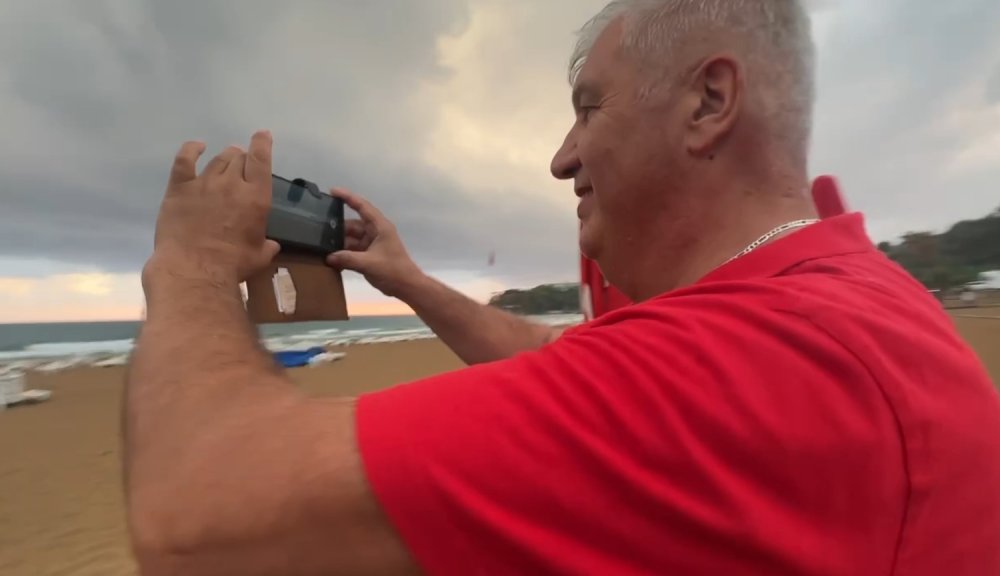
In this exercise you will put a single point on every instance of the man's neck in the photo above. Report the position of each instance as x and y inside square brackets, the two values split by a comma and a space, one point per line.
[723, 235]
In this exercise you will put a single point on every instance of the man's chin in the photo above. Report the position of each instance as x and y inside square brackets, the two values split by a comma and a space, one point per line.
[588, 247]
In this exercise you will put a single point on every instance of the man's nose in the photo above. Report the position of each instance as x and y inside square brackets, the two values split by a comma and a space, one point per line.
[566, 162]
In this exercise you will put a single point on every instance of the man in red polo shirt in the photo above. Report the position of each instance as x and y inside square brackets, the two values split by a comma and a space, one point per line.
[781, 399]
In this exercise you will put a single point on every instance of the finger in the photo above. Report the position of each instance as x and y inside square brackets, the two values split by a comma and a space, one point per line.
[258, 164]
[236, 166]
[218, 164]
[271, 249]
[365, 241]
[185, 166]
[347, 260]
[368, 212]
[268, 250]
[355, 244]
[354, 228]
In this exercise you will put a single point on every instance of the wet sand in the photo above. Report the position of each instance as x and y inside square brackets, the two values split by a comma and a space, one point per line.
[61, 510]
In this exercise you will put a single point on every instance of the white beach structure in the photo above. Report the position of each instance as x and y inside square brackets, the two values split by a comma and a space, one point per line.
[12, 390]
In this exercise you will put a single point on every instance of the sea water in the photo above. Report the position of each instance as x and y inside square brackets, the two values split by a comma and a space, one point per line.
[63, 345]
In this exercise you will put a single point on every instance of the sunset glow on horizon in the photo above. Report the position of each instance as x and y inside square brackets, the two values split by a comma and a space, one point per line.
[96, 297]
[111, 313]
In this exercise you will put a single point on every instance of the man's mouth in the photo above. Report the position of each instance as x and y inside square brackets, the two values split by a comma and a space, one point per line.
[583, 208]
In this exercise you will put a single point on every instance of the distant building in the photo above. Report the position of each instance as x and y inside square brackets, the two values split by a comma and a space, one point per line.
[991, 279]
[987, 281]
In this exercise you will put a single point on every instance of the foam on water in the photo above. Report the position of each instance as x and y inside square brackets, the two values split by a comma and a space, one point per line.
[56, 356]
[327, 337]
[64, 349]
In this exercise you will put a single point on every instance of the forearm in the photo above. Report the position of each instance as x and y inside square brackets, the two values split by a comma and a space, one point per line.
[229, 469]
[196, 348]
[477, 333]
[199, 386]
[233, 471]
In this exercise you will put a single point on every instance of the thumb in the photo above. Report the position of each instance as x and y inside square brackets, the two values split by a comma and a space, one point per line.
[347, 260]
[271, 249]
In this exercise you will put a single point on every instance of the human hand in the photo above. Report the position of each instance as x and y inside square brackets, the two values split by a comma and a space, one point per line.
[373, 248]
[212, 225]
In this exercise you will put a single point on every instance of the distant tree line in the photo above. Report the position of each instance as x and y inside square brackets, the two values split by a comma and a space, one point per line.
[544, 299]
[939, 261]
[951, 259]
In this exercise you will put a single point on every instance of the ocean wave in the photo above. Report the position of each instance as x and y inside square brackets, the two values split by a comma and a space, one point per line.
[56, 356]
[558, 319]
[67, 349]
[346, 338]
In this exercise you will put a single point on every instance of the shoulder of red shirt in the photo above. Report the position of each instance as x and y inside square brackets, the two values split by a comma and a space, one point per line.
[720, 428]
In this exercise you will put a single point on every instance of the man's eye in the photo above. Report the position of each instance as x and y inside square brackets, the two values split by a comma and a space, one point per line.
[585, 111]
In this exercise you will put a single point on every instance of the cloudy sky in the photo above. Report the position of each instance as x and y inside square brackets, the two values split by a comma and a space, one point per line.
[445, 113]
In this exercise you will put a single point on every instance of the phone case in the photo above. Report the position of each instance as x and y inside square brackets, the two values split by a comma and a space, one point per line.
[304, 219]
[296, 288]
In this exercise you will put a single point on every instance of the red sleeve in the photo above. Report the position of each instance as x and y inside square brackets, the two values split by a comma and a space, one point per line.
[638, 447]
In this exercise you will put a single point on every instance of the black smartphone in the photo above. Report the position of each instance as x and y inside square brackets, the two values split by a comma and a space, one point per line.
[304, 219]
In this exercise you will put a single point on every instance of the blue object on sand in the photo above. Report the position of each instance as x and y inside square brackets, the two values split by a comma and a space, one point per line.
[297, 358]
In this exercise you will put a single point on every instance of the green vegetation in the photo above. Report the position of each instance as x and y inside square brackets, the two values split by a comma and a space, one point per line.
[544, 299]
[939, 261]
[951, 259]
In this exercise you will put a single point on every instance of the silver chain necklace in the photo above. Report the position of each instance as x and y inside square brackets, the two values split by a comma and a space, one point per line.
[771, 234]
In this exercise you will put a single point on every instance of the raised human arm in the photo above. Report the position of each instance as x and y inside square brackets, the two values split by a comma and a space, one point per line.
[477, 333]
[229, 469]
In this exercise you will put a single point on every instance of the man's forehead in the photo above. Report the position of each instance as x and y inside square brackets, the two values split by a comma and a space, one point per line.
[597, 63]
[606, 47]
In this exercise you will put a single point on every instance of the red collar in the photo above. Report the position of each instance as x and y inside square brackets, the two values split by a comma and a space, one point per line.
[834, 236]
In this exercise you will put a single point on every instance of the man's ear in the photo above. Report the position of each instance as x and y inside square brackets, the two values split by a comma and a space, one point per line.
[717, 87]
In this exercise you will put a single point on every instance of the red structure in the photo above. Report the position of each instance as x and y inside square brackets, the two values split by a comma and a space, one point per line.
[827, 197]
[597, 297]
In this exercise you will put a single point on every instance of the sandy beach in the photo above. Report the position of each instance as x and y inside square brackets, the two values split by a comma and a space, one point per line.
[61, 509]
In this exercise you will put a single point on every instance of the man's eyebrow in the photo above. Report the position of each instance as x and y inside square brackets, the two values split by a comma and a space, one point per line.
[579, 90]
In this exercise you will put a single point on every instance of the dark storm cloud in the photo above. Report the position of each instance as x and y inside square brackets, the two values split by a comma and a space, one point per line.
[110, 90]
[98, 95]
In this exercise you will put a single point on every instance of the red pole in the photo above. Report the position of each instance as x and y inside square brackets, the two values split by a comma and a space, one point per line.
[827, 197]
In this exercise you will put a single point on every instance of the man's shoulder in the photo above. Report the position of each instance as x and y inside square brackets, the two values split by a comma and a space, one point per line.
[841, 310]
[857, 315]
[744, 327]
[840, 289]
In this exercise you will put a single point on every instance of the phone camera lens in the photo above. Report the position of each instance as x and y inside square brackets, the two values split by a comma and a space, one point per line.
[333, 224]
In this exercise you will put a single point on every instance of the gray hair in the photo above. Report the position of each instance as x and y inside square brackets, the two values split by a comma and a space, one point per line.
[777, 34]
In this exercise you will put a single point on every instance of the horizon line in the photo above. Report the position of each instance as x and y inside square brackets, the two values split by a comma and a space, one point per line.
[139, 319]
